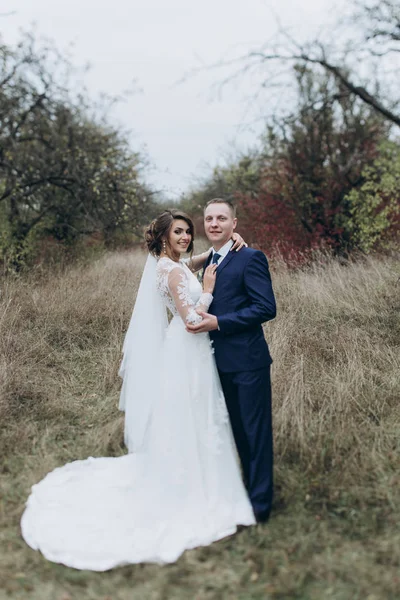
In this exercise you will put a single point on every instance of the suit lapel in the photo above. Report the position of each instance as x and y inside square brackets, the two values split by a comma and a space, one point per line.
[225, 262]
[222, 266]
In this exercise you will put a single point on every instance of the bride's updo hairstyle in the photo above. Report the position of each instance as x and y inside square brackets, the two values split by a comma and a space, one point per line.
[159, 229]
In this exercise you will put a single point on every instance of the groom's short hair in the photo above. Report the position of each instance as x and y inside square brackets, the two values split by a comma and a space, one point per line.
[222, 201]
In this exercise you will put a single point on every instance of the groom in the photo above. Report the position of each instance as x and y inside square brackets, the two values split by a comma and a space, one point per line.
[243, 300]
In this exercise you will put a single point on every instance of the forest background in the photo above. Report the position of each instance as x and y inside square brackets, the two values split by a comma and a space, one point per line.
[323, 175]
[319, 193]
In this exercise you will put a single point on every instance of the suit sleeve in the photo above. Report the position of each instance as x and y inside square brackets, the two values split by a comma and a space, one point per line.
[262, 307]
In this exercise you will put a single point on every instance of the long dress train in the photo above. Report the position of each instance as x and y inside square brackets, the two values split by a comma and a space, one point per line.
[183, 489]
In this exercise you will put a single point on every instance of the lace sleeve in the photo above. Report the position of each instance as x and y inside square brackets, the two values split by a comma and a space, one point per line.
[195, 263]
[178, 286]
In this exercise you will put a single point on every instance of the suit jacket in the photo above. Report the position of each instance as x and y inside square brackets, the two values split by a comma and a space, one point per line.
[243, 300]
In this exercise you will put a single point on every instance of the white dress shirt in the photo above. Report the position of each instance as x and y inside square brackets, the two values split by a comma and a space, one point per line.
[223, 251]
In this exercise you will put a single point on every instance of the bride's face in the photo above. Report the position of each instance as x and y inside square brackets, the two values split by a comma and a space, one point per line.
[179, 236]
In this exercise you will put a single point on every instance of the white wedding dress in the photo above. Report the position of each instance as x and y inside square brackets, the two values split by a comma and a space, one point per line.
[182, 489]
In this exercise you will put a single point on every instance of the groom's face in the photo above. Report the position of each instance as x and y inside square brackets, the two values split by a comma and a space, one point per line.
[219, 224]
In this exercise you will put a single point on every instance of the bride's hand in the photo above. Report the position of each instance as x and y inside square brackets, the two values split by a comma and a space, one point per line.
[239, 242]
[210, 275]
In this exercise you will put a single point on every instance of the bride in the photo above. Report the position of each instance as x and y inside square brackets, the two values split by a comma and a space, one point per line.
[180, 485]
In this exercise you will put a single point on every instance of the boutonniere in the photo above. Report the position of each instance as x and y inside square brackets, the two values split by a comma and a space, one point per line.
[200, 275]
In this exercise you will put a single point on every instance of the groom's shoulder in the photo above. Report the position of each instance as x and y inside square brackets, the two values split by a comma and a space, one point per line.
[251, 253]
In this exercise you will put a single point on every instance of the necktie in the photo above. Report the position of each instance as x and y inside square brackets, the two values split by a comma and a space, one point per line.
[215, 258]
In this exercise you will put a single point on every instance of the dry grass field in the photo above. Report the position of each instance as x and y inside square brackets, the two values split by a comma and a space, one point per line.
[335, 529]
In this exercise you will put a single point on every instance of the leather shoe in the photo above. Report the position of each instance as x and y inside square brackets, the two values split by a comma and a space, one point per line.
[261, 517]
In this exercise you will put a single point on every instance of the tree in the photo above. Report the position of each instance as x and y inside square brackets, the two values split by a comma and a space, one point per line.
[293, 194]
[312, 160]
[374, 207]
[362, 54]
[63, 172]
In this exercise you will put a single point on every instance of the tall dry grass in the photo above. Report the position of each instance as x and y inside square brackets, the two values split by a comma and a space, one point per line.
[336, 390]
[336, 346]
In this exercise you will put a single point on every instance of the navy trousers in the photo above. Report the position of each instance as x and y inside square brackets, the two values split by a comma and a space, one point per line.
[248, 399]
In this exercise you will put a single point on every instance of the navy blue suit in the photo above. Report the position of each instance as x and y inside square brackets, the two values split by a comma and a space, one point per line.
[243, 300]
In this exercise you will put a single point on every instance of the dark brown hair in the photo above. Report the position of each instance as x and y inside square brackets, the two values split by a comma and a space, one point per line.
[160, 227]
[222, 201]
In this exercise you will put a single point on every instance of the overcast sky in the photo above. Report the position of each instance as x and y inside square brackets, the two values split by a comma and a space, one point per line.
[155, 42]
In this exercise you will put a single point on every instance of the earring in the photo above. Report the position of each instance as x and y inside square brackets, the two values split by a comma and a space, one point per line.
[164, 245]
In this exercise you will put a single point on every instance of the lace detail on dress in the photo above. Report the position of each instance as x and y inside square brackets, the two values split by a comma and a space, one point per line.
[182, 294]
[180, 290]
[164, 267]
[183, 291]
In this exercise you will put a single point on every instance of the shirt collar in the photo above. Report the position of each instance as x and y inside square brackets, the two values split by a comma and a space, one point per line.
[225, 249]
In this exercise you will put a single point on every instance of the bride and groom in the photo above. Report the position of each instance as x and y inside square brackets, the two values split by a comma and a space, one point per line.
[195, 391]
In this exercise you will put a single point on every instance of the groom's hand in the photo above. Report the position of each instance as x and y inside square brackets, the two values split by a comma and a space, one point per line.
[209, 323]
